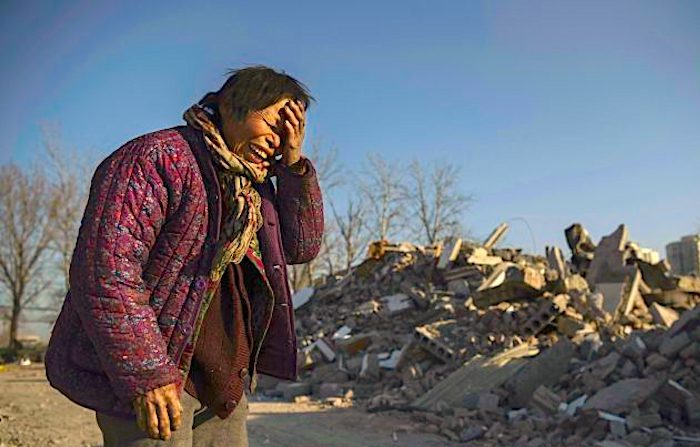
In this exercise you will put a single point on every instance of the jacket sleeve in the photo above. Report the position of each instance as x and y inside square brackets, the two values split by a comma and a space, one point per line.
[300, 206]
[127, 206]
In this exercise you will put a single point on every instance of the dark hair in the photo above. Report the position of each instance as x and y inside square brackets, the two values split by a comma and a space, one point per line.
[255, 88]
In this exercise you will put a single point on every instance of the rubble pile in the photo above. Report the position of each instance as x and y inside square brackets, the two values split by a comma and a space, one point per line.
[498, 347]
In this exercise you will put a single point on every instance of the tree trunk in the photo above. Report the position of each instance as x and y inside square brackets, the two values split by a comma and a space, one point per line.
[13, 344]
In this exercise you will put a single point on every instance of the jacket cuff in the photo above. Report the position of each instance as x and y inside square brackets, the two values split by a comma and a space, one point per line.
[301, 168]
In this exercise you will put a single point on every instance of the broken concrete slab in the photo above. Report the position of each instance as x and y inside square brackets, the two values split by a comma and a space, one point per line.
[620, 294]
[604, 366]
[609, 256]
[687, 322]
[656, 275]
[481, 257]
[450, 252]
[581, 245]
[556, 262]
[544, 369]
[483, 401]
[623, 395]
[495, 236]
[479, 374]
[662, 315]
[496, 277]
[397, 303]
[511, 282]
[327, 348]
[302, 297]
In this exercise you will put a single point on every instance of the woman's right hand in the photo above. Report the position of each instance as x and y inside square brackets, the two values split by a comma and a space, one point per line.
[159, 411]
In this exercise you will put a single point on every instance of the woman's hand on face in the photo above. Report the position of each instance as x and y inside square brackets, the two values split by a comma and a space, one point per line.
[294, 119]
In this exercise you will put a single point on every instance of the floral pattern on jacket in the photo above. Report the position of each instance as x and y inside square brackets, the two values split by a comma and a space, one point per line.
[142, 265]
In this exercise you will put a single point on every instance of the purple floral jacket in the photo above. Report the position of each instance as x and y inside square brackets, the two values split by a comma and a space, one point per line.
[139, 277]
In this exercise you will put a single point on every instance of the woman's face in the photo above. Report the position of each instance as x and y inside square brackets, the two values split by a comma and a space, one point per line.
[258, 138]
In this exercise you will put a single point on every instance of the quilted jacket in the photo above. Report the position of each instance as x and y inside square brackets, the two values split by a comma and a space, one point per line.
[139, 277]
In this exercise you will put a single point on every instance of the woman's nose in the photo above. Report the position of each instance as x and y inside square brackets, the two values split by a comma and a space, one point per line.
[274, 141]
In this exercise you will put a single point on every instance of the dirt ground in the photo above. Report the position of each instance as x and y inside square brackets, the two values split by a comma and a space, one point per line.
[33, 414]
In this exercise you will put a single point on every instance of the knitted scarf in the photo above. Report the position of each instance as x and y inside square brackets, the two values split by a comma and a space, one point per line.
[236, 176]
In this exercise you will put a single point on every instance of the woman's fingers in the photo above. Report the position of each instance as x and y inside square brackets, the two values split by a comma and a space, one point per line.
[163, 420]
[175, 411]
[152, 420]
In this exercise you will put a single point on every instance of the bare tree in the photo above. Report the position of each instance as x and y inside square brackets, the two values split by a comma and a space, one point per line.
[330, 259]
[329, 174]
[328, 170]
[26, 213]
[70, 185]
[352, 229]
[381, 186]
[436, 203]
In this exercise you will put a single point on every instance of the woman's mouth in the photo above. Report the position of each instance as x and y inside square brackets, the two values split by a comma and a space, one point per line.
[256, 155]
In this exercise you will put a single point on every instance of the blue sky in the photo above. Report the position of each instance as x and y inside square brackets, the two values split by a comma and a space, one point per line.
[555, 111]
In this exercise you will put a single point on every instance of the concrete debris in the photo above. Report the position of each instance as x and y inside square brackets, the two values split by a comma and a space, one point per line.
[477, 375]
[544, 370]
[450, 252]
[496, 235]
[378, 249]
[479, 342]
[481, 257]
[623, 395]
[581, 247]
[395, 304]
[572, 407]
[302, 297]
[545, 399]
[556, 262]
[663, 315]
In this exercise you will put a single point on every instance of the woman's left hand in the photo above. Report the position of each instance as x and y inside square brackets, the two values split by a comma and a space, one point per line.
[294, 118]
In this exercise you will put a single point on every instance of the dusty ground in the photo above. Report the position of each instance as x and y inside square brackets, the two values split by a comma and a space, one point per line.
[33, 414]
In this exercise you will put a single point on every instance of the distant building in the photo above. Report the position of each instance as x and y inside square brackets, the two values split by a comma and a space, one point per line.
[684, 255]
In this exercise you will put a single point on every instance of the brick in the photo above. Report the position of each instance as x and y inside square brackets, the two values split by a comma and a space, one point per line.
[657, 361]
[546, 400]
[648, 420]
[671, 346]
